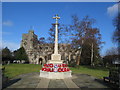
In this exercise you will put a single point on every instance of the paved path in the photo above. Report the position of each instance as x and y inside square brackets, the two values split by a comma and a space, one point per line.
[32, 80]
[70, 84]
[43, 83]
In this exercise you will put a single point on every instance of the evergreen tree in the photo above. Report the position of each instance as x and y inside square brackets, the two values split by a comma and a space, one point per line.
[20, 54]
[51, 33]
[6, 54]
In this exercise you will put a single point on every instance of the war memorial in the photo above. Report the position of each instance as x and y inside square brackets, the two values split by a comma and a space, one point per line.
[55, 72]
[55, 68]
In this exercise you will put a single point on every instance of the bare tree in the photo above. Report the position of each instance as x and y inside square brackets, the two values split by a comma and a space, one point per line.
[112, 51]
[116, 34]
[82, 30]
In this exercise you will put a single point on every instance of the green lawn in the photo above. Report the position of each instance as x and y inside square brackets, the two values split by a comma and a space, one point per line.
[13, 70]
[98, 72]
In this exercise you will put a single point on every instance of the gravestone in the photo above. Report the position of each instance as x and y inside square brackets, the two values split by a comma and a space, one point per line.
[8, 62]
[55, 68]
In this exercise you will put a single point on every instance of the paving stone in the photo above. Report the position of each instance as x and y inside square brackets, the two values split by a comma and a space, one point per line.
[18, 86]
[32, 80]
[98, 85]
[13, 86]
[32, 85]
[69, 83]
[43, 83]
[57, 83]
[86, 81]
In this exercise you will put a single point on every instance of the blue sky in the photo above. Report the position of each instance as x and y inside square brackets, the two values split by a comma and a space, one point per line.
[18, 17]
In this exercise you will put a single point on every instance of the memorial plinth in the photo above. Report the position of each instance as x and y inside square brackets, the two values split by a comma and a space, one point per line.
[56, 58]
[55, 71]
[55, 75]
[55, 68]
[55, 61]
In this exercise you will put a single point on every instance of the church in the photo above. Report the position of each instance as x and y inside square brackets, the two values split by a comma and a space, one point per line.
[41, 53]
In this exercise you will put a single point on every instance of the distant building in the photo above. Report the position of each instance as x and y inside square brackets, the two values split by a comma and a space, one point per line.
[116, 61]
[40, 53]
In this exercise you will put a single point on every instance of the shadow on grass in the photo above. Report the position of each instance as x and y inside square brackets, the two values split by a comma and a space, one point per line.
[9, 83]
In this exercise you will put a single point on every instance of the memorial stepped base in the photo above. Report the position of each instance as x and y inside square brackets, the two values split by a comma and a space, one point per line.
[55, 71]
[55, 75]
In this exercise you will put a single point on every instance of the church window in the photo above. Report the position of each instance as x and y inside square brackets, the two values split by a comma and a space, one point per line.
[25, 43]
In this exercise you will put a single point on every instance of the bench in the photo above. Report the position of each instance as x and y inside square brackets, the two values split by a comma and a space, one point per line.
[106, 79]
[113, 77]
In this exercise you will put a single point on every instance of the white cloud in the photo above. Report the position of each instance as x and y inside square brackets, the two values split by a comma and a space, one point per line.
[8, 23]
[11, 45]
[113, 10]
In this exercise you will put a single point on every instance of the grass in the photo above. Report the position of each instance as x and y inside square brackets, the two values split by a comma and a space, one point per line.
[13, 70]
[97, 72]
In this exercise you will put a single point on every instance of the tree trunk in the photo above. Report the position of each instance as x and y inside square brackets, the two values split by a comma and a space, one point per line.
[78, 60]
[92, 64]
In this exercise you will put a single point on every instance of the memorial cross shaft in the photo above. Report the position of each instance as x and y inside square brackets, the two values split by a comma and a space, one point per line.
[56, 35]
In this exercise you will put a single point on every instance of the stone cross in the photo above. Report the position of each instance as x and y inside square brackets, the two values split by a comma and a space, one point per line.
[56, 35]
[55, 57]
